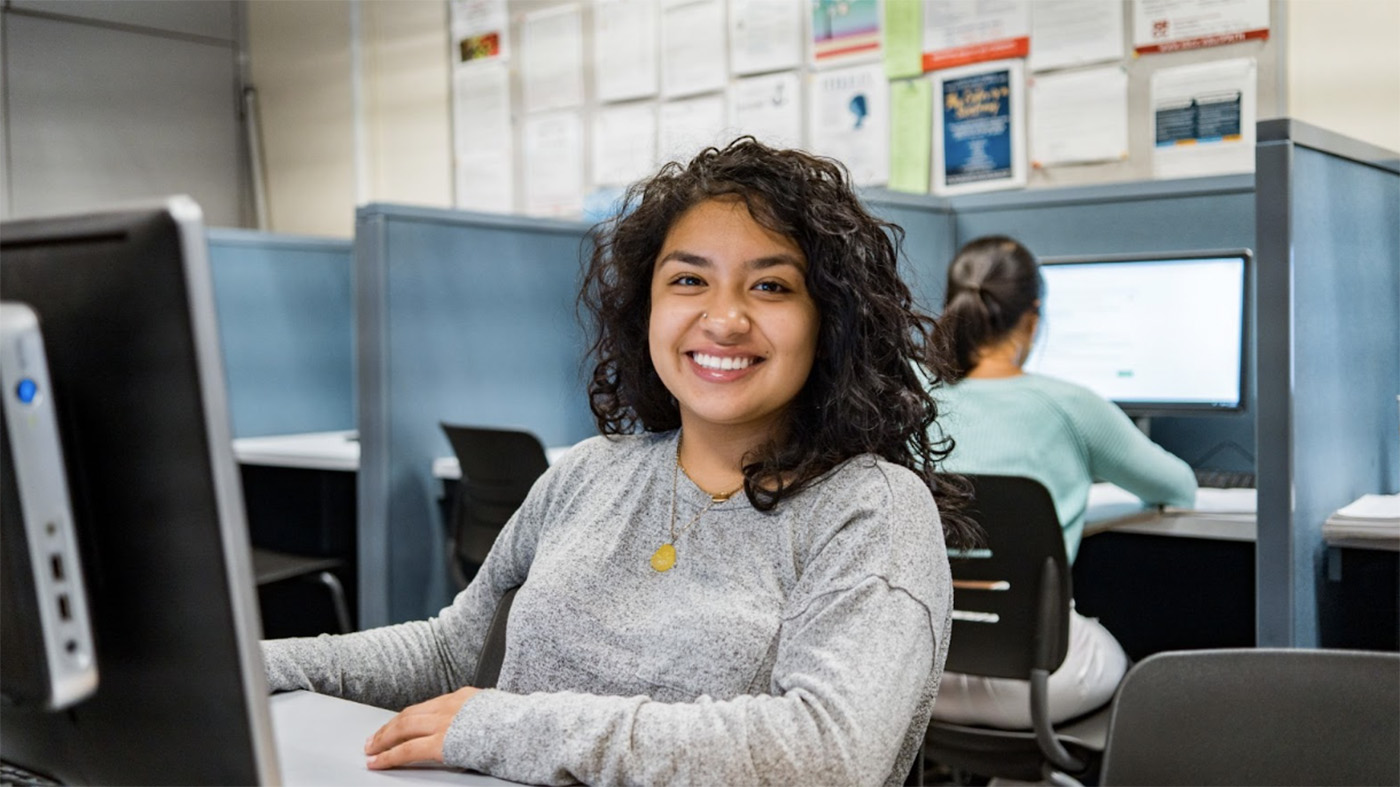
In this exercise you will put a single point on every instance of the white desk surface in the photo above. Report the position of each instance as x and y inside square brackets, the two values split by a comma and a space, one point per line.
[311, 451]
[321, 741]
[334, 451]
[1220, 514]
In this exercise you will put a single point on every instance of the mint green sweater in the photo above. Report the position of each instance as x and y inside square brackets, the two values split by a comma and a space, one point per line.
[1062, 435]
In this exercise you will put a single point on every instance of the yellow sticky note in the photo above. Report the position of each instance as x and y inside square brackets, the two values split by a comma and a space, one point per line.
[904, 38]
[911, 135]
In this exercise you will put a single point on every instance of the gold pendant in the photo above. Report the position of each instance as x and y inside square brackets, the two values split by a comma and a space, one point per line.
[663, 558]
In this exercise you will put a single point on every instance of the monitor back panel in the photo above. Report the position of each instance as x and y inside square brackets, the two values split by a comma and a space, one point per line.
[121, 297]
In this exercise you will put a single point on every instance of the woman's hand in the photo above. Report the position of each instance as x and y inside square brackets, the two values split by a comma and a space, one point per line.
[416, 734]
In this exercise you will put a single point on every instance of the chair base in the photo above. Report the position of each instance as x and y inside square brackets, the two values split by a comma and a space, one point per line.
[1014, 754]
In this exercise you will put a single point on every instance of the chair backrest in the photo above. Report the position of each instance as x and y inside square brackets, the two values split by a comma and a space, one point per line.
[1256, 717]
[498, 468]
[1011, 598]
[493, 651]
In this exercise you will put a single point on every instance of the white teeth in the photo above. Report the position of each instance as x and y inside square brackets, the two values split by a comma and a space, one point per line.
[723, 364]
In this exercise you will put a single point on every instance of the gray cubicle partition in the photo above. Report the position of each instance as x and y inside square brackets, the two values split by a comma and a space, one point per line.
[286, 325]
[1125, 218]
[1328, 222]
[462, 317]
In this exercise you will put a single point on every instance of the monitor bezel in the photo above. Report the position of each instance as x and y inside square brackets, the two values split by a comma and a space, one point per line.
[1148, 409]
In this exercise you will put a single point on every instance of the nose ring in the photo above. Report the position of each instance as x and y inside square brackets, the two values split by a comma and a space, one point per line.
[704, 315]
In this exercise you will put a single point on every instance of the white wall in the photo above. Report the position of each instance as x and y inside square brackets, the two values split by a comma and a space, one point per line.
[324, 148]
[1343, 70]
[299, 62]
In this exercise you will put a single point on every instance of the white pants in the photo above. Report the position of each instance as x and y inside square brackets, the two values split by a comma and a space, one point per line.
[1093, 666]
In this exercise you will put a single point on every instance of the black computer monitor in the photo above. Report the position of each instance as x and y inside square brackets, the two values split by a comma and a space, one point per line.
[126, 309]
[1158, 334]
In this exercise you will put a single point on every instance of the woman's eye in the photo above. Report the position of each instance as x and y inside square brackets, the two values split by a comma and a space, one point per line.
[687, 280]
[770, 286]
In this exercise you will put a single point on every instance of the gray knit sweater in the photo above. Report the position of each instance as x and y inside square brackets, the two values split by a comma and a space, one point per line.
[799, 646]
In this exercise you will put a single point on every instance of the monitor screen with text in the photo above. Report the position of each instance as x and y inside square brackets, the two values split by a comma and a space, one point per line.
[1154, 334]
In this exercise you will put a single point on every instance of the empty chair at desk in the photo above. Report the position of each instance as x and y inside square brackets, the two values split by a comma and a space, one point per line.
[498, 468]
[271, 567]
[1011, 620]
[1257, 717]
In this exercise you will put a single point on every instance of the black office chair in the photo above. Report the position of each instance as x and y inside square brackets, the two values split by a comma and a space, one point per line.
[498, 468]
[1257, 717]
[1011, 620]
[272, 568]
[493, 650]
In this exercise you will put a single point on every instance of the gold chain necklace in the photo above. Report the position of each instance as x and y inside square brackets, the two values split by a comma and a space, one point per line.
[664, 558]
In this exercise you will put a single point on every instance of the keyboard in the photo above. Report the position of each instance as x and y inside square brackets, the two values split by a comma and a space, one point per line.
[1224, 479]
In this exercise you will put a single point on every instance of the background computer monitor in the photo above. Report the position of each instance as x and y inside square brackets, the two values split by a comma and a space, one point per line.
[125, 305]
[1157, 334]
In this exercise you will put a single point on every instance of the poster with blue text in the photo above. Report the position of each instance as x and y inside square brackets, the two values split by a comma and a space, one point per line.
[979, 135]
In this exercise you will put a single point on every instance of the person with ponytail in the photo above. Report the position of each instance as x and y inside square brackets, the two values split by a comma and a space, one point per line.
[1006, 421]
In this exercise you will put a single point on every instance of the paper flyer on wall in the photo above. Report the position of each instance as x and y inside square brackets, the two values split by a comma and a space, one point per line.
[1203, 118]
[553, 158]
[624, 143]
[849, 120]
[483, 153]
[624, 50]
[979, 134]
[1067, 33]
[551, 58]
[764, 35]
[844, 31]
[768, 107]
[1172, 25]
[1078, 117]
[960, 32]
[479, 31]
[684, 127]
[692, 48]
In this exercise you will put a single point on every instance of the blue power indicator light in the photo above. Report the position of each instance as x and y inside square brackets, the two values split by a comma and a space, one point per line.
[26, 390]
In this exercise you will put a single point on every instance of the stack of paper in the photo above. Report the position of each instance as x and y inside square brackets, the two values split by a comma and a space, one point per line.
[1374, 519]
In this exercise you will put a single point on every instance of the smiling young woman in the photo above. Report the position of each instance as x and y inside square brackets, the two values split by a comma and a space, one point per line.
[752, 335]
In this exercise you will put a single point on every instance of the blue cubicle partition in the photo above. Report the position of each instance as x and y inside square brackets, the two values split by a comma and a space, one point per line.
[1139, 217]
[1328, 221]
[930, 240]
[466, 318]
[286, 325]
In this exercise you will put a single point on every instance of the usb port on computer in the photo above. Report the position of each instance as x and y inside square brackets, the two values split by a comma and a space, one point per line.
[63, 611]
[56, 564]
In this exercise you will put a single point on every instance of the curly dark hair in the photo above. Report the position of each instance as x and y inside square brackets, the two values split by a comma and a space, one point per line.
[865, 393]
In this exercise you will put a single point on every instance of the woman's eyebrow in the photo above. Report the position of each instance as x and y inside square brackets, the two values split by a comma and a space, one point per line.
[758, 263]
[774, 260]
[687, 258]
